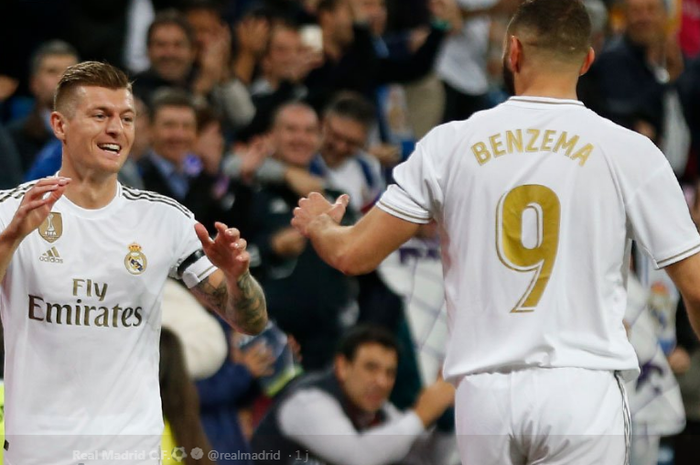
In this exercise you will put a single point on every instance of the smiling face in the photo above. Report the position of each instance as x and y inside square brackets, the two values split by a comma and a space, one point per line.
[296, 135]
[170, 52]
[282, 53]
[367, 379]
[342, 138]
[174, 132]
[97, 129]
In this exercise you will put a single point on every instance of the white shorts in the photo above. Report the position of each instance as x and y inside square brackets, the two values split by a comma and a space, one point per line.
[557, 416]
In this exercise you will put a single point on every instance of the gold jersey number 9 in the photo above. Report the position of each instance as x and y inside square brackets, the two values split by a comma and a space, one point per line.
[540, 205]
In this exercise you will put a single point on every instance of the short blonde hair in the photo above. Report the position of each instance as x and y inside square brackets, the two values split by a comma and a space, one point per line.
[91, 74]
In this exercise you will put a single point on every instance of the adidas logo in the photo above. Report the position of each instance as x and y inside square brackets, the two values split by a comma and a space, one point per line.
[51, 256]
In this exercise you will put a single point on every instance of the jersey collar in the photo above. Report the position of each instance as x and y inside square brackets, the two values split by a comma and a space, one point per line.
[547, 100]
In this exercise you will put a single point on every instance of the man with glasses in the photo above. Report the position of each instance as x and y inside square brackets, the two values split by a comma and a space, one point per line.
[342, 161]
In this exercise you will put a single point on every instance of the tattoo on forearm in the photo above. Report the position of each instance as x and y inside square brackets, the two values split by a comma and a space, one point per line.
[249, 306]
[214, 296]
[246, 309]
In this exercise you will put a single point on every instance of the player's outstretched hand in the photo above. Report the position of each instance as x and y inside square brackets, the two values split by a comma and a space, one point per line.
[36, 206]
[227, 251]
[316, 205]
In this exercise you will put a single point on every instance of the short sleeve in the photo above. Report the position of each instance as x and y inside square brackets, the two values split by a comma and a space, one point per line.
[660, 218]
[417, 195]
[9, 202]
[3, 221]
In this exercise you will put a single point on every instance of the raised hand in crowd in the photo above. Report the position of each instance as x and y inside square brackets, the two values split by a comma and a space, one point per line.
[214, 60]
[257, 358]
[295, 347]
[387, 154]
[673, 57]
[253, 156]
[288, 243]
[252, 34]
[359, 14]
[447, 11]
[417, 38]
[308, 59]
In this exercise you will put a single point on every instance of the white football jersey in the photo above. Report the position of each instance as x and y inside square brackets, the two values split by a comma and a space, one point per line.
[80, 304]
[538, 200]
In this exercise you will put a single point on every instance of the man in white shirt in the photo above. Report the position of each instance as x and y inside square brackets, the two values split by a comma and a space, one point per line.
[343, 415]
[537, 201]
[83, 262]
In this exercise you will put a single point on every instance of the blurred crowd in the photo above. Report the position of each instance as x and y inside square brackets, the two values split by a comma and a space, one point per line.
[244, 106]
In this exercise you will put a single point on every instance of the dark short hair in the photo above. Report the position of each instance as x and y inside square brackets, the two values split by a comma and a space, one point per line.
[328, 5]
[211, 6]
[90, 74]
[207, 115]
[363, 334]
[167, 18]
[53, 47]
[170, 97]
[354, 106]
[561, 28]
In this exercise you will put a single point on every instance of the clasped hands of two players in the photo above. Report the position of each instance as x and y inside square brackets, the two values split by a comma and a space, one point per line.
[227, 251]
[315, 207]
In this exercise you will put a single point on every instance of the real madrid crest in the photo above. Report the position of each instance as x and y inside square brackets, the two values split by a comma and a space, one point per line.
[135, 261]
[52, 227]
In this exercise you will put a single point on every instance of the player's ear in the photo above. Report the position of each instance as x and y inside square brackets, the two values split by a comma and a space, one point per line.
[58, 124]
[515, 53]
[587, 62]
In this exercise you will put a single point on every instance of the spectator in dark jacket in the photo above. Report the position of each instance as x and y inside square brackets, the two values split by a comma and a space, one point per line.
[222, 395]
[32, 133]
